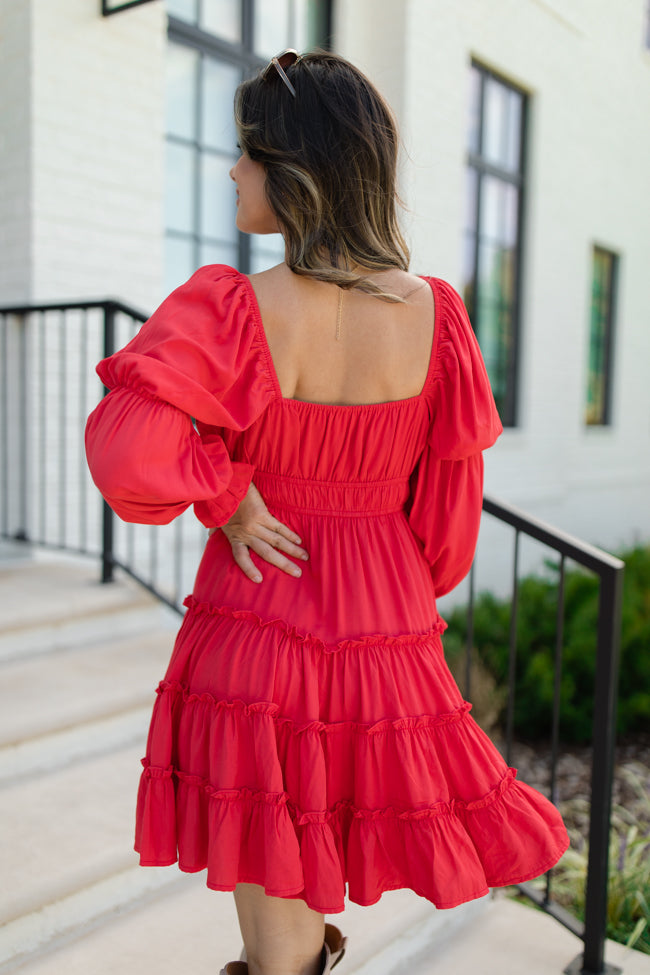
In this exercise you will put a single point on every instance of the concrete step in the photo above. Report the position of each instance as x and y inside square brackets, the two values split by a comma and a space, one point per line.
[188, 928]
[79, 684]
[67, 830]
[70, 702]
[47, 606]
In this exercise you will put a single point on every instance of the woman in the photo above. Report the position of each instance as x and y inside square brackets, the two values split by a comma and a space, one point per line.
[308, 734]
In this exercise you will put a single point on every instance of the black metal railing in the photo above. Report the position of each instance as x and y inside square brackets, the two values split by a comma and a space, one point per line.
[47, 355]
[609, 571]
[48, 386]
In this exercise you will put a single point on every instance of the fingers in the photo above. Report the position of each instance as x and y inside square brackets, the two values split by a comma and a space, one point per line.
[284, 530]
[274, 557]
[242, 557]
[282, 543]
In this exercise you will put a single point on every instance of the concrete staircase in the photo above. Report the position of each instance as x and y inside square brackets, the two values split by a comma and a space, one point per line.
[79, 663]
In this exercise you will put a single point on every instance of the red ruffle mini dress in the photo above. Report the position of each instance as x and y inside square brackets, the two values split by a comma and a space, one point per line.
[308, 734]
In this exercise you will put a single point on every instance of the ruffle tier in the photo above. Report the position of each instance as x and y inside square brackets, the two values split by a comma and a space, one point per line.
[260, 791]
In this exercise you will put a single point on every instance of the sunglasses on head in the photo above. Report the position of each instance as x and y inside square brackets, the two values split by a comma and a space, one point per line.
[281, 63]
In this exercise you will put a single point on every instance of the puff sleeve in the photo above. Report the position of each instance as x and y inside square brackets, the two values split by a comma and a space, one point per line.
[199, 357]
[447, 485]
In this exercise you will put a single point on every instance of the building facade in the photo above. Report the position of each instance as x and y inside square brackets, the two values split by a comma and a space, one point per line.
[524, 172]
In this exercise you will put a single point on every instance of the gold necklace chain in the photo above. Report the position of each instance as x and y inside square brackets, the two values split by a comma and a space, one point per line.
[339, 314]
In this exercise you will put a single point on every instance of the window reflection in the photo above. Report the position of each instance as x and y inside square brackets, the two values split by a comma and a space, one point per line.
[215, 253]
[182, 74]
[179, 261]
[272, 27]
[599, 374]
[204, 67]
[491, 227]
[184, 9]
[223, 18]
[180, 190]
[266, 251]
[218, 84]
[218, 207]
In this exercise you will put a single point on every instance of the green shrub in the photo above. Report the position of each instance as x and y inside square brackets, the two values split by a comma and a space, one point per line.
[628, 889]
[535, 663]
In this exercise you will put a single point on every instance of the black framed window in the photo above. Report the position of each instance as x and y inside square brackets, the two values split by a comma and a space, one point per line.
[212, 46]
[601, 337]
[495, 181]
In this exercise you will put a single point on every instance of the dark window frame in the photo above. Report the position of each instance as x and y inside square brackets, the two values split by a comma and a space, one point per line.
[609, 324]
[108, 9]
[482, 168]
[242, 56]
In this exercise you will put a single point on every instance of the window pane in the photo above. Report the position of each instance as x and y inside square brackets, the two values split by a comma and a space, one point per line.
[474, 121]
[180, 189]
[599, 366]
[219, 81]
[218, 199]
[181, 70]
[499, 211]
[512, 152]
[510, 215]
[501, 125]
[495, 327]
[222, 17]
[309, 27]
[266, 251]
[271, 27]
[491, 208]
[210, 253]
[494, 120]
[495, 274]
[490, 278]
[179, 261]
[183, 9]
[300, 36]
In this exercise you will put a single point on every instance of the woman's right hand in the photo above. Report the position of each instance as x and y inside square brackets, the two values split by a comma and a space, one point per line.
[253, 527]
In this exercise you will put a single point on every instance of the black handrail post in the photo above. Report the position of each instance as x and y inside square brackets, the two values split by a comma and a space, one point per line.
[605, 695]
[107, 513]
[107, 543]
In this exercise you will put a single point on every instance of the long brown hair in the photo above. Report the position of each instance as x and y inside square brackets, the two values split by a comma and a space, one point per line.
[330, 157]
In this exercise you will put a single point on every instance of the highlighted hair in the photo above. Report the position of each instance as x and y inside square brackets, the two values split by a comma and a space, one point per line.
[330, 157]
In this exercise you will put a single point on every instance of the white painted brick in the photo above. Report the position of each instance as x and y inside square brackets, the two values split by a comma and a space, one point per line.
[81, 196]
[589, 156]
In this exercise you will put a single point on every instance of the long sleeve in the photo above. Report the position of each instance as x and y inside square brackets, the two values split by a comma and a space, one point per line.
[447, 484]
[198, 357]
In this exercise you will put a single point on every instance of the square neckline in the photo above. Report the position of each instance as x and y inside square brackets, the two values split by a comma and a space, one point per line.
[257, 315]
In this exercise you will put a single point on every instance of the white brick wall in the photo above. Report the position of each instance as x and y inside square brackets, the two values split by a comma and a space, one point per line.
[98, 123]
[589, 157]
[15, 137]
[81, 196]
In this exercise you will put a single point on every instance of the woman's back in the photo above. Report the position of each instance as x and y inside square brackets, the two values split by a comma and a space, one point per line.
[331, 346]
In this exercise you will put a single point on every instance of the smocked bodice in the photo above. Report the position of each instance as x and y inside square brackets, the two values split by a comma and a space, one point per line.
[348, 460]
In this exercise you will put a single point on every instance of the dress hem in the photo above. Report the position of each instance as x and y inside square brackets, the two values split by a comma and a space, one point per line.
[294, 892]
